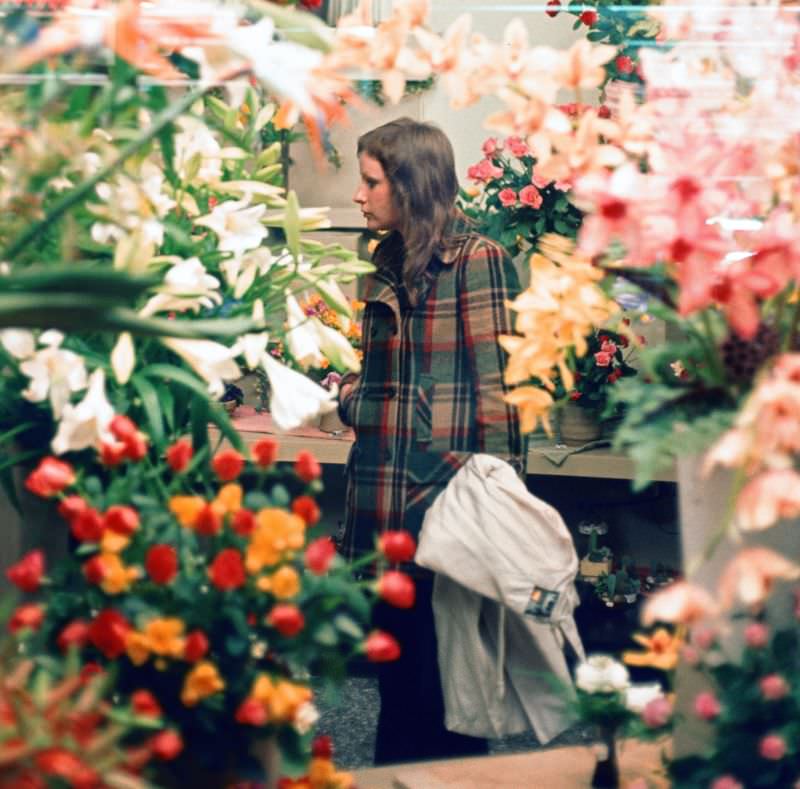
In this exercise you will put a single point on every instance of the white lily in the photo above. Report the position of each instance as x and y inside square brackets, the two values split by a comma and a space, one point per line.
[20, 343]
[55, 373]
[253, 344]
[294, 399]
[212, 361]
[197, 153]
[302, 337]
[240, 273]
[187, 286]
[237, 225]
[85, 424]
[336, 347]
[123, 358]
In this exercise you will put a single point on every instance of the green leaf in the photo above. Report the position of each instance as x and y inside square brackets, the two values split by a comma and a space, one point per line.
[152, 408]
[291, 223]
[348, 626]
[221, 419]
[326, 635]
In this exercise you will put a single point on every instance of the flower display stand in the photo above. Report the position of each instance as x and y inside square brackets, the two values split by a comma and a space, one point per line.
[578, 425]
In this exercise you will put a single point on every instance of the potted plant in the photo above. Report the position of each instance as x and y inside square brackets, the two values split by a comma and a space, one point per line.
[598, 560]
[617, 587]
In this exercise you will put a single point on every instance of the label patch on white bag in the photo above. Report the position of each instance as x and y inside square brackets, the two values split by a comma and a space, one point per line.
[542, 602]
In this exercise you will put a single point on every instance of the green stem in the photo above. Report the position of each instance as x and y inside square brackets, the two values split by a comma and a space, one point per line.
[82, 190]
[795, 328]
[707, 342]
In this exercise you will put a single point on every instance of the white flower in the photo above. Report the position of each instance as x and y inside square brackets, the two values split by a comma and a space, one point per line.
[336, 347]
[294, 399]
[601, 674]
[302, 338]
[305, 717]
[123, 358]
[238, 227]
[253, 345]
[85, 424]
[20, 343]
[212, 361]
[54, 373]
[240, 272]
[187, 286]
[196, 149]
[637, 697]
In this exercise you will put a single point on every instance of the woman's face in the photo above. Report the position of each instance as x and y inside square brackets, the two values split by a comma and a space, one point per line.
[374, 196]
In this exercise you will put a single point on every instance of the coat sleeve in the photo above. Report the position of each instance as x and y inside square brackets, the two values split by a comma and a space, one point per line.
[488, 282]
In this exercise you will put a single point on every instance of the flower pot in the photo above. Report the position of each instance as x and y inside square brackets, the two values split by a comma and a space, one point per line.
[578, 425]
[330, 423]
[591, 571]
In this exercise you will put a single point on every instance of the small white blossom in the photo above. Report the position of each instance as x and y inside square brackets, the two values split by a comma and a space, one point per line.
[85, 424]
[302, 337]
[637, 697]
[123, 358]
[237, 225]
[305, 717]
[20, 343]
[54, 373]
[187, 286]
[212, 361]
[601, 674]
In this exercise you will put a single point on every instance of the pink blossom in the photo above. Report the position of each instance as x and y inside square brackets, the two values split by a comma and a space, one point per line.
[603, 358]
[518, 146]
[706, 705]
[540, 182]
[657, 712]
[484, 170]
[704, 636]
[772, 747]
[756, 635]
[530, 195]
[725, 782]
[562, 186]
[508, 197]
[491, 147]
[773, 687]
[680, 602]
[690, 655]
[608, 347]
[751, 575]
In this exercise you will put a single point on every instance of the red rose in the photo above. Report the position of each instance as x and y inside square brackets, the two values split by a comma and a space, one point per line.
[322, 747]
[76, 633]
[307, 509]
[553, 7]
[144, 703]
[195, 647]
[123, 428]
[208, 521]
[72, 506]
[287, 619]
[166, 745]
[243, 522]
[227, 570]
[88, 526]
[179, 455]
[108, 632]
[397, 546]
[161, 563]
[121, 519]
[227, 464]
[50, 477]
[26, 617]
[588, 17]
[89, 671]
[319, 554]
[112, 453]
[380, 647]
[61, 763]
[251, 713]
[397, 589]
[306, 466]
[27, 573]
[136, 447]
[624, 64]
[265, 452]
[94, 570]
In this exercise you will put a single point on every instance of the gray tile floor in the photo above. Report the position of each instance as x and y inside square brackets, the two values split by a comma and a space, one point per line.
[351, 718]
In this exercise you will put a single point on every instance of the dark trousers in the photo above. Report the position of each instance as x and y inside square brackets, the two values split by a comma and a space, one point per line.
[411, 720]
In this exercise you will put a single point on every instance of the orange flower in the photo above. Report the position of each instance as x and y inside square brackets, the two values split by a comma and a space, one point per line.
[164, 636]
[112, 542]
[137, 647]
[285, 583]
[202, 681]
[282, 699]
[117, 578]
[186, 509]
[662, 649]
[229, 499]
[276, 532]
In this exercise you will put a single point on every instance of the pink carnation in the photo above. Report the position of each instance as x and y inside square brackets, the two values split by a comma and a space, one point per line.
[530, 195]
[706, 706]
[491, 146]
[484, 170]
[539, 182]
[508, 197]
[756, 635]
[603, 358]
[518, 146]
[772, 747]
[657, 712]
[773, 687]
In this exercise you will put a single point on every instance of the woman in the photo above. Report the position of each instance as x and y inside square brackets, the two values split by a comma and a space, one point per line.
[430, 393]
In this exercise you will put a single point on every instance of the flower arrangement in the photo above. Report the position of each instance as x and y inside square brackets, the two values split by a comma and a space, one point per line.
[196, 583]
[512, 204]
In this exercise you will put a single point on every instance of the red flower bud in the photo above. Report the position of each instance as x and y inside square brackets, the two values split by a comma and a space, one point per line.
[26, 617]
[60, 763]
[227, 464]
[136, 447]
[624, 64]
[380, 647]
[243, 522]
[307, 509]
[397, 546]
[553, 7]
[72, 506]
[144, 703]
[108, 633]
[265, 452]
[121, 520]
[589, 17]
[227, 570]
[88, 526]
[161, 563]
[397, 589]
[251, 713]
[27, 573]
[89, 671]
[50, 477]
[76, 633]
[287, 619]
[208, 521]
[166, 745]
[123, 428]
[322, 747]
[603, 111]
[195, 647]
[94, 570]
[319, 555]
[179, 455]
[112, 453]
[306, 466]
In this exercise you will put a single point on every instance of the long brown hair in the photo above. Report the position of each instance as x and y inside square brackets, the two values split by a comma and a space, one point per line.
[417, 159]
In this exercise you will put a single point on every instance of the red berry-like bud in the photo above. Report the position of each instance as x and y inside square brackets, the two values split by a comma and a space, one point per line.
[227, 464]
[553, 7]
[397, 546]
[589, 17]
[265, 452]
[179, 455]
[380, 647]
[306, 466]
[287, 619]
[397, 589]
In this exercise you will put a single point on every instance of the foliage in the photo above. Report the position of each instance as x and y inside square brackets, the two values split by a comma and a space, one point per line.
[510, 203]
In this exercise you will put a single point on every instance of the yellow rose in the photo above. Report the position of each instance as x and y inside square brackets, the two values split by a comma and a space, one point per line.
[285, 582]
[202, 681]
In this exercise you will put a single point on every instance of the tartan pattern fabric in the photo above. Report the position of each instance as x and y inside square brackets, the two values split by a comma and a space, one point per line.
[431, 390]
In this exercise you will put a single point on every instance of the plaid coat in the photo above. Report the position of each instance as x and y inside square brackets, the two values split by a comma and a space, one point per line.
[430, 392]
